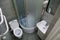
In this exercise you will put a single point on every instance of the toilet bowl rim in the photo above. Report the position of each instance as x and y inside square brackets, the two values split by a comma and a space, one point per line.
[20, 33]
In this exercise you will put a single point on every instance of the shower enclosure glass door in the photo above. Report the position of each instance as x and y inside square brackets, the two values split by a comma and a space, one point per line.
[28, 11]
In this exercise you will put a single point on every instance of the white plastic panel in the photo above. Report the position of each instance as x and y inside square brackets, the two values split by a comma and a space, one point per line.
[42, 26]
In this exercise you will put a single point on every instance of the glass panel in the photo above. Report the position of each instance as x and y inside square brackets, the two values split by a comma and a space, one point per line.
[29, 11]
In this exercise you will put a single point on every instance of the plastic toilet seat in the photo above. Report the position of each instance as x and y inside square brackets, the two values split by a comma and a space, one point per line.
[18, 32]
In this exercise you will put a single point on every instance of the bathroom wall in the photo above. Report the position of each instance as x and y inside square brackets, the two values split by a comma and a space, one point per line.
[53, 5]
[8, 9]
[51, 19]
[54, 34]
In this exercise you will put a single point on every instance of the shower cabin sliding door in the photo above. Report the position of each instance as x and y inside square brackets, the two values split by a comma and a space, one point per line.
[28, 11]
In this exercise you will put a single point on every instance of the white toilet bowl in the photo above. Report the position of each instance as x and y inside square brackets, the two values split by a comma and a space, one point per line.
[16, 30]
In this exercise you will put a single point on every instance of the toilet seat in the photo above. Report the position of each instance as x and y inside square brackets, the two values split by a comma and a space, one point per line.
[18, 32]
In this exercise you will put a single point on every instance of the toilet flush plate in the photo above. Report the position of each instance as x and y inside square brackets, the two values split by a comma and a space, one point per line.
[42, 26]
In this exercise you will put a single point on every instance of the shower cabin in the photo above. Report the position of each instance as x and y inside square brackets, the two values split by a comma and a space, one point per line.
[29, 12]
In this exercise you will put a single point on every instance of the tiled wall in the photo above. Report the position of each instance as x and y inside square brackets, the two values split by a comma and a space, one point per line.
[8, 9]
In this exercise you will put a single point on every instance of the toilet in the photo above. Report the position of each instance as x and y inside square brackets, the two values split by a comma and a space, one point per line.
[16, 30]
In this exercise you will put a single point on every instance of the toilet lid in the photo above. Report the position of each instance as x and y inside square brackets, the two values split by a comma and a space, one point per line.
[18, 32]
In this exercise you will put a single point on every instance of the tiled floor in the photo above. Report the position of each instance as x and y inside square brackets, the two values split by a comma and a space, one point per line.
[26, 36]
[32, 36]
